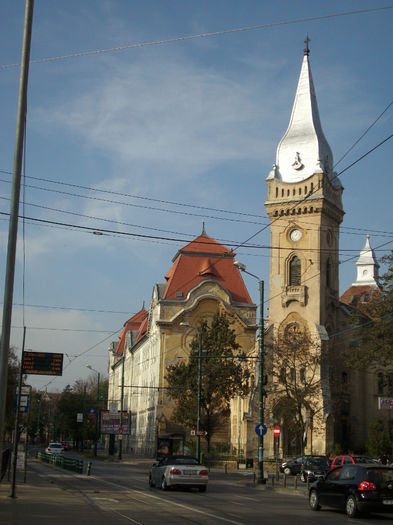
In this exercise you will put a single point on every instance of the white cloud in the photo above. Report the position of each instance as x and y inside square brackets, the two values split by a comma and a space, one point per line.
[169, 112]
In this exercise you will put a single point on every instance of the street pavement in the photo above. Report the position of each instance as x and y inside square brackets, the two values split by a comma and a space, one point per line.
[53, 496]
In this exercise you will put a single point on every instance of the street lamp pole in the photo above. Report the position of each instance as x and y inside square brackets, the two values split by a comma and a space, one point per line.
[261, 354]
[97, 414]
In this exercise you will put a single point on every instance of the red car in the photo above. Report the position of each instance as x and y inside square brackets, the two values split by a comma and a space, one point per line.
[347, 459]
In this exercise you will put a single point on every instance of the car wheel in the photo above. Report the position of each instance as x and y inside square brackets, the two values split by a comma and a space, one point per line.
[287, 471]
[314, 500]
[202, 488]
[164, 484]
[151, 483]
[351, 507]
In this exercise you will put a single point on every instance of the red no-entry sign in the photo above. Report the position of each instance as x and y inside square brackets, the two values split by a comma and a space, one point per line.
[276, 431]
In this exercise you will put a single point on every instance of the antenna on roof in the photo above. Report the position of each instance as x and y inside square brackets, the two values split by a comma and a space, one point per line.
[203, 234]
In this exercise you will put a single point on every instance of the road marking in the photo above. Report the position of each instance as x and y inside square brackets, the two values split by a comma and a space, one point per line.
[95, 498]
[127, 518]
[173, 503]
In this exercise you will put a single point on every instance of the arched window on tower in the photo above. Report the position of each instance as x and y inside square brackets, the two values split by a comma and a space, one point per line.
[294, 272]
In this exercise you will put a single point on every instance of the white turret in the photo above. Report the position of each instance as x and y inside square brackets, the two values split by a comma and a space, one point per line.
[367, 267]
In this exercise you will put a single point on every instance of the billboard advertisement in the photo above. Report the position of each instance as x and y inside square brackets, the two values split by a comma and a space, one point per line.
[114, 424]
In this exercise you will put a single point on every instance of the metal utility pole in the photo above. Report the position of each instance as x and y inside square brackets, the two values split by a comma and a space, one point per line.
[14, 212]
[121, 408]
[261, 356]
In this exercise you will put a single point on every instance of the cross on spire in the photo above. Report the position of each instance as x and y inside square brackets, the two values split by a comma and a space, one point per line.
[307, 49]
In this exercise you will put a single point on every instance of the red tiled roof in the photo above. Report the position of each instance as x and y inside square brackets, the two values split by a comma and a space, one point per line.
[134, 323]
[355, 294]
[143, 328]
[204, 258]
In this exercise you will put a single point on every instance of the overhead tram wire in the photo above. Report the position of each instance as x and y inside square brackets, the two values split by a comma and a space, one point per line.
[84, 353]
[199, 35]
[363, 134]
[134, 196]
[219, 210]
[151, 208]
[301, 201]
[91, 229]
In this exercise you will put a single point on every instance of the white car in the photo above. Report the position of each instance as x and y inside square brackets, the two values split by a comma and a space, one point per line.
[54, 448]
[179, 471]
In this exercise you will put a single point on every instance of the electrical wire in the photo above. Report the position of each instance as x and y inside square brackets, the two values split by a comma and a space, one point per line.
[200, 35]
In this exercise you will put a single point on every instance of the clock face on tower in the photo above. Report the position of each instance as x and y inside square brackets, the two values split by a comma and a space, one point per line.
[295, 235]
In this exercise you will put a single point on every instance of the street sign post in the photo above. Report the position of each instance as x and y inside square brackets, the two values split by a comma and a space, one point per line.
[198, 433]
[261, 429]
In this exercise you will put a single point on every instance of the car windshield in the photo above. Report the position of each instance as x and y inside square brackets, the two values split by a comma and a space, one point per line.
[185, 461]
[317, 462]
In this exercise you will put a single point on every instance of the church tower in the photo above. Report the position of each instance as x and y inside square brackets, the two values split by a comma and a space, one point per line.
[305, 210]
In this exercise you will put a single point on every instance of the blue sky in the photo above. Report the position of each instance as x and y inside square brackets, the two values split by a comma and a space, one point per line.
[187, 129]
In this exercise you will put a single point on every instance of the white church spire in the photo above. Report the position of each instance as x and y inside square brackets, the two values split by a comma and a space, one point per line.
[367, 267]
[304, 150]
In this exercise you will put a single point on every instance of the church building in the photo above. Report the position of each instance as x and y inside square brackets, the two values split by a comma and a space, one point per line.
[318, 404]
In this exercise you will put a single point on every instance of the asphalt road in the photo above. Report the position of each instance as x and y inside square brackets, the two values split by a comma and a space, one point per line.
[122, 492]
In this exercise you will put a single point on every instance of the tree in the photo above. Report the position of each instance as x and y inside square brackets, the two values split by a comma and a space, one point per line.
[294, 367]
[375, 327]
[379, 441]
[12, 383]
[225, 375]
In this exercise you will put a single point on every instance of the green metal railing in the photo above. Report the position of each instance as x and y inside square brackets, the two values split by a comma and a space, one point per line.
[76, 465]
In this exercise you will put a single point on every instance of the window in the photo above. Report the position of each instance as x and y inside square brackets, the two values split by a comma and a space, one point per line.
[293, 375]
[303, 375]
[347, 473]
[355, 299]
[283, 375]
[294, 272]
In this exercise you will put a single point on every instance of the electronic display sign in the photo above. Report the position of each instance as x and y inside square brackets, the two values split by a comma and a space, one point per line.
[42, 363]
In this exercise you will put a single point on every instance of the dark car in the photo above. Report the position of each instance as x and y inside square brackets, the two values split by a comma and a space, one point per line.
[179, 471]
[292, 466]
[355, 488]
[314, 467]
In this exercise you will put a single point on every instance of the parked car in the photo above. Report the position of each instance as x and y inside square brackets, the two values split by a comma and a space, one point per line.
[355, 488]
[314, 467]
[54, 448]
[65, 445]
[179, 471]
[348, 459]
[292, 466]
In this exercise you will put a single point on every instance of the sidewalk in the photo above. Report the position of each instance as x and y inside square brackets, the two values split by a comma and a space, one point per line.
[41, 501]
